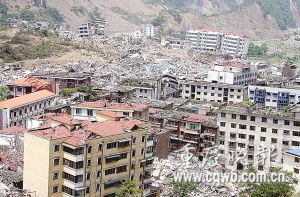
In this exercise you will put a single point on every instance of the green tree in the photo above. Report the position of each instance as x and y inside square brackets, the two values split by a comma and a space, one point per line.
[3, 9]
[27, 14]
[129, 188]
[183, 189]
[4, 93]
[257, 51]
[267, 189]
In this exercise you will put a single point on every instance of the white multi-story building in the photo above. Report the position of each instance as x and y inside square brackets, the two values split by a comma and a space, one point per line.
[252, 129]
[232, 73]
[148, 31]
[86, 30]
[214, 41]
[291, 163]
[273, 96]
[204, 40]
[235, 44]
[213, 92]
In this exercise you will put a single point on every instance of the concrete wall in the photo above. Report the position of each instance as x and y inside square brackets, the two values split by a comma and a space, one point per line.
[36, 164]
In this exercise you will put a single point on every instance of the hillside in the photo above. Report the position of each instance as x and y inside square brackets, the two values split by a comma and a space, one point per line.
[260, 19]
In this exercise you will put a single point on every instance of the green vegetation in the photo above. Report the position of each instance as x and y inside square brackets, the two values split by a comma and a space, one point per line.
[183, 189]
[267, 189]
[27, 14]
[129, 188]
[179, 5]
[4, 93]
[29, 44]
[257, 51]
[54, 15]
[91, 95]
[158, 21]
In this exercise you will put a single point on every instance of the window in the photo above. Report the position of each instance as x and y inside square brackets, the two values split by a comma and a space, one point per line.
[222, 133]
[56, 161]
[88, 176]
[296, 133]
[98, 173]
[275, 121]
[296, 170]
[111, 145]
[56, 147]
[126, 113]
[88, 162]
[273, 140]
[143, 138]
[97, 187]
[233, 116]
[121, 169]
[242, 136]
[99, 147]
[275, 131]
[133, 140]
[55, 189]
[251, 137]
[87, 190]
[55, 175]
[264, 119]
[296, 124]
[263, 129]
[90, 149]
[222, 142]
[110, 171]
[241, 145]
[133, 153]
[297, 160]
[142, 151]
[233, 125]
[286, 132]
[286, 143]
[286, 122]
[243, 117]
[223, 115]
[252, 128]
[222, 124]
[99, 161]
[241, 126]
[295, 143]
[90, 112]
[252, 118]
[262, 139]
[77, 110]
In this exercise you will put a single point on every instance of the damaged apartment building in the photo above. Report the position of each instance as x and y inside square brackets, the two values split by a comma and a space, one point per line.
[84, 158]
[96, 27]
[186, 128]
[252, 128]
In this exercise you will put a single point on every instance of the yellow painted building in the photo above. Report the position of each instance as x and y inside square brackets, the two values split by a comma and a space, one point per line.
[83, 158]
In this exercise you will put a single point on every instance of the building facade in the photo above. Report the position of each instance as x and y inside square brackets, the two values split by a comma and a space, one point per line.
[273, 96]
[291, 163]
[251, 128]
[15, 111]
[148, 31]
[88, 159]
[234, 44]
[217, 42]
[231, 72]
[213, 92]
[87, 110]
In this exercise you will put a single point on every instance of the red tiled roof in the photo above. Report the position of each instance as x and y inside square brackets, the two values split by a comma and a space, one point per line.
[110, 114]
[197, 118]
[28, 98]
[74, 141]
[65, 119]
[36, 83]
[53, 133]
[13, 130]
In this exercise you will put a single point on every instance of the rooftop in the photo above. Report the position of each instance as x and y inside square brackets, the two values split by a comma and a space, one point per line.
[119, 106]
[28, 98]
[219, 85]
[38, 84]
[110, 114]
[13, 130]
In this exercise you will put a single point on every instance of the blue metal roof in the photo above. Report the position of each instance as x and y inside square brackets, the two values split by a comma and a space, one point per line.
[294, 152]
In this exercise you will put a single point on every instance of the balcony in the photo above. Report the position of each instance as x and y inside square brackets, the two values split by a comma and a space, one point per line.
[72, 185]
[74, 158]
[72, 171]
[150, 142]
[149, 154]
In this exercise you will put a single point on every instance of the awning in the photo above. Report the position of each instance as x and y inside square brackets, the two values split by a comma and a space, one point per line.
[124, 140]
[113, 156]
[113, 181]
